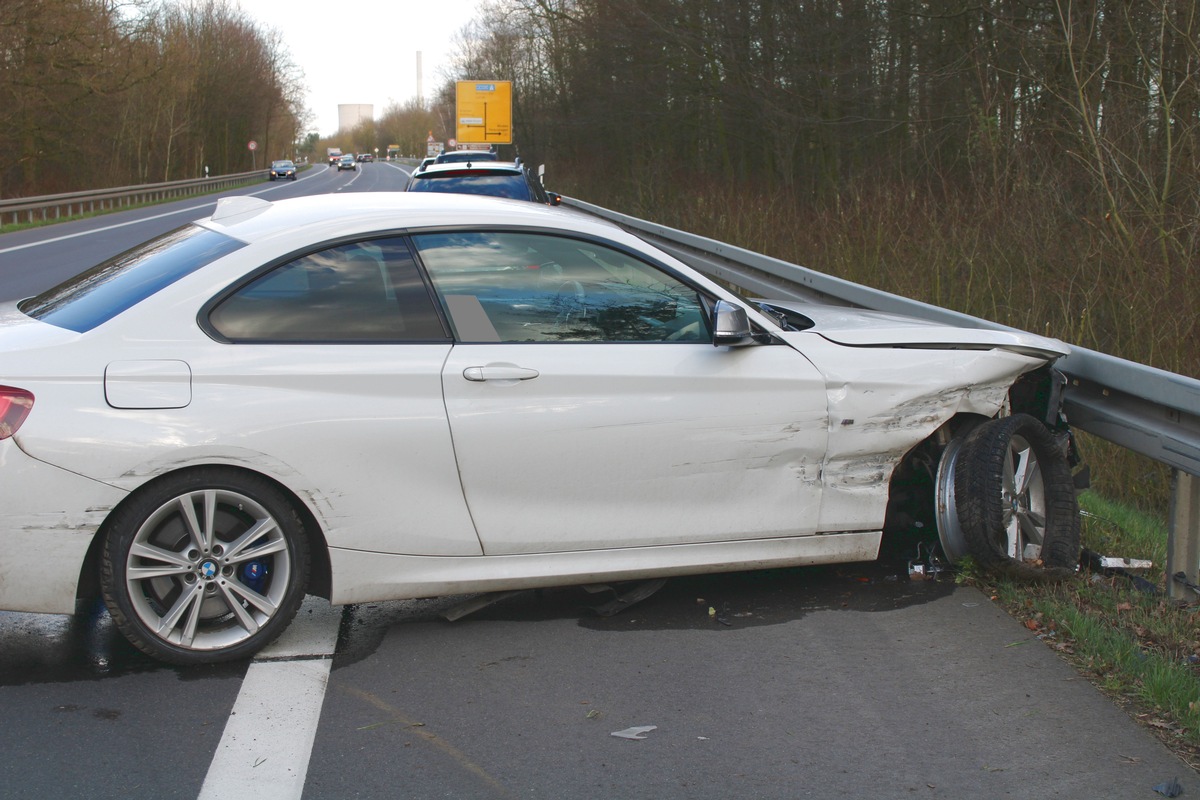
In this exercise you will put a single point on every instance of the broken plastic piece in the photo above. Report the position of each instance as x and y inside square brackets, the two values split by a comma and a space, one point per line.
[1170, 788]
[476, 603]
[636, 732]
[1110, 565]
[624, 600]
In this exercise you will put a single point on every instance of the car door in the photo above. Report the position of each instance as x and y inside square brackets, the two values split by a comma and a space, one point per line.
[333, 362]
[589, 408]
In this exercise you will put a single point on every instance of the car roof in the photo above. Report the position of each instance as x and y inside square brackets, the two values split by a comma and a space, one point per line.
[467, 167]
[487, 154]
[325, 216]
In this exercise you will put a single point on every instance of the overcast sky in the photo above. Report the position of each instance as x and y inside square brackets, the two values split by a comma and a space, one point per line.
[366, 51]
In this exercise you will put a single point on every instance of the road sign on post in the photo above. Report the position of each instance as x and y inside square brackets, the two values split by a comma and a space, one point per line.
[483, 110]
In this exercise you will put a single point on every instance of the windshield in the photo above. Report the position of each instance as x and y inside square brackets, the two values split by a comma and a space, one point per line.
[97, 295]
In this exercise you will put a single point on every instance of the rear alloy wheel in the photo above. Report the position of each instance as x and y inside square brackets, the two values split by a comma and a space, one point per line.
[205, 566]
[1014, 499]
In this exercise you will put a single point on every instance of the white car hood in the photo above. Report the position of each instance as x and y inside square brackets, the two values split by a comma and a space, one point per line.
[862, 328]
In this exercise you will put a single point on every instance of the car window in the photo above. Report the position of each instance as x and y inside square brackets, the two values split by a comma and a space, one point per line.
[360, 292]
[520, 287]
[511, 186]
[100, 293]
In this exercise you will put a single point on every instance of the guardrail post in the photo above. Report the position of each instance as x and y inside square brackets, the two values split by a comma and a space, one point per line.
[1183, 536]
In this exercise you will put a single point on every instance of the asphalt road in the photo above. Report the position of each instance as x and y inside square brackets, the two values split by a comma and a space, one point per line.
[848, 681]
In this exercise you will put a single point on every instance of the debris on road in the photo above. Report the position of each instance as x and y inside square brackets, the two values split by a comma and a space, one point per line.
[623, 600]
[1170, 788]
[478, 603]
[636, 732]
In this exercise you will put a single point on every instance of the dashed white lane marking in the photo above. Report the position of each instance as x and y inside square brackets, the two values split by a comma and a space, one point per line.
[268, 739]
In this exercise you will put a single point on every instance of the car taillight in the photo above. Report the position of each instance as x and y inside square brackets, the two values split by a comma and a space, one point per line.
[14, 408]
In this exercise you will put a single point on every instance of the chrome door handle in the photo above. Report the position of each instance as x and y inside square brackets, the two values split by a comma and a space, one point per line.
[499, 372]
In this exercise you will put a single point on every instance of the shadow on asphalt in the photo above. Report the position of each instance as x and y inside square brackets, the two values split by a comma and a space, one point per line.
[717, 602]
[39, 648]
[52, 648]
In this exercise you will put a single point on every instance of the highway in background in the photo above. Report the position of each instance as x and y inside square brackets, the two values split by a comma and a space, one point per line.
[37, 258]
[846, 681]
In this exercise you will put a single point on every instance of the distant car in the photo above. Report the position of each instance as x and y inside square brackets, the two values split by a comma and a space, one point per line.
[346, 162]
[457, 156]
[493, 178]
[366, 157]
[283, 169]
[334, 158]
[377, 396]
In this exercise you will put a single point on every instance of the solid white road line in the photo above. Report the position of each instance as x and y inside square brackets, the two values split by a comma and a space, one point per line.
[268, 739]
[188, 210]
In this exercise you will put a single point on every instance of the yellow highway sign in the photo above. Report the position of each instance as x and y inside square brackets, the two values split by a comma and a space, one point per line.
[484, 112]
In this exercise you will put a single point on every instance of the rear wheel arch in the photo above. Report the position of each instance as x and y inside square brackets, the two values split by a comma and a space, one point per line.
[206, 564]
[319, 582]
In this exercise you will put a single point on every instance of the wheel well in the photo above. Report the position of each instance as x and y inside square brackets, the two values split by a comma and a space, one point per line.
[911, 492]
[320, 571]
[911, 512]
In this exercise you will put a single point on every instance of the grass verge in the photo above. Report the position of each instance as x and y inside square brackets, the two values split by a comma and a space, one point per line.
[1126, 636]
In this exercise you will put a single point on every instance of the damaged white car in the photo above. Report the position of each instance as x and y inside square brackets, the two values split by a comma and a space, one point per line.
[384, 396]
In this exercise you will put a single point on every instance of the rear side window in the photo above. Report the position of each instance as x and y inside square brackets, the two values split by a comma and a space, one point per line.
[368, 291]
[97, 295]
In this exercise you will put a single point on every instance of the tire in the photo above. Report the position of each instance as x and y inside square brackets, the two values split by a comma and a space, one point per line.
[204, 566]
[1015, 499]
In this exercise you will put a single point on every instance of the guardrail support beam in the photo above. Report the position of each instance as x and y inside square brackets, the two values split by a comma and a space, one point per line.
[1183, 537]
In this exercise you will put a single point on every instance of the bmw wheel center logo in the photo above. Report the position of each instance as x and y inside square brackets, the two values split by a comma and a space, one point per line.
[208, 570]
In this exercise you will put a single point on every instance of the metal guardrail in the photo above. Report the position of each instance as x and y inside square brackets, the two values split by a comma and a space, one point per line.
[56, 206]
[1146, 410]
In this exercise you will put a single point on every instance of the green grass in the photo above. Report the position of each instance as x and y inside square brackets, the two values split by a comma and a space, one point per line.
[1138, 646]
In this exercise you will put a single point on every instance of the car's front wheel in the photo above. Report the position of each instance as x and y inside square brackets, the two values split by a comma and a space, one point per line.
[203, 566]
[1015, 498]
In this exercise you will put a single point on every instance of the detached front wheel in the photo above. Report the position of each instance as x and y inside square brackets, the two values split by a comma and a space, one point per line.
[1014, 498]
[204, 566]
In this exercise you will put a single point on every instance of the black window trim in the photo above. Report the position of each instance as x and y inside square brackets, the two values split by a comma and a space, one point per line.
[707, 299]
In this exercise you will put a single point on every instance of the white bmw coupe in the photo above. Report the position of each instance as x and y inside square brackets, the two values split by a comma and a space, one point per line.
[385, 396]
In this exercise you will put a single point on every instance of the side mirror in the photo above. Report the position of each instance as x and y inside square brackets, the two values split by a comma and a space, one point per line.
[555, 198]
[731, 326]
